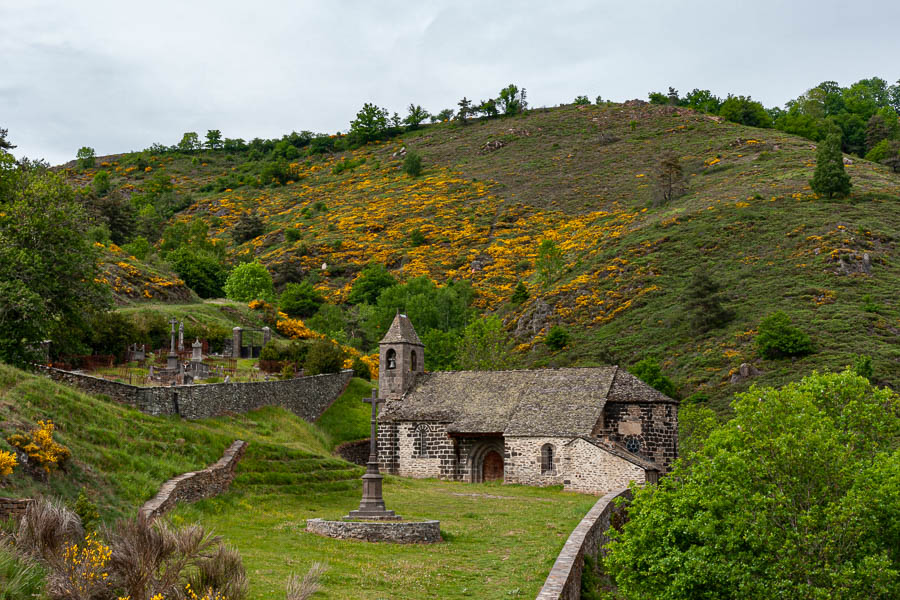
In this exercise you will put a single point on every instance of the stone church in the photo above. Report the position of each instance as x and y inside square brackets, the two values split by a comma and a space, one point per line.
[590, 429]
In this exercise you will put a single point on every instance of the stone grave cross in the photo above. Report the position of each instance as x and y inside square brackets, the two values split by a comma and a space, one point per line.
[372, 504]
[172, 358]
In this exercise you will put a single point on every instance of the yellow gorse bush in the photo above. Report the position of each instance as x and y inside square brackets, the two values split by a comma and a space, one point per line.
[84, 566]
[38, 444]
[7, 463]
[189, 593]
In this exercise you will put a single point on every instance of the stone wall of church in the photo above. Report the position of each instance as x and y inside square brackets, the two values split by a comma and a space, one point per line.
[651, 427]
[523, 460]
[417, 449]
[587, 468]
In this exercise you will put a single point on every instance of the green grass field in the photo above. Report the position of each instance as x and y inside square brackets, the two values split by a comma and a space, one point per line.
[500, 541]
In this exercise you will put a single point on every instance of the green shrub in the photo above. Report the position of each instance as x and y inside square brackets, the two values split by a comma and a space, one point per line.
[372, 279]
[520, 294]
[348, 164]
[778, 338]
[830, 179]
[300, 300]
[361, 370]
[139, 247]
[86, 157]
[557, 338]
[293, 234]
[323, 357]
[100, 183]
[412, 164]
[862, 366]
[582, 101]
[87, 512]
[249, 226]
[869, 305]
[703, 303]
[650, 372]
[417, 238]
[202, 271]
[249, 281]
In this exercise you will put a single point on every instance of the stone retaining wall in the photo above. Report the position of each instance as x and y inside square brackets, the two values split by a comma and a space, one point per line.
[397, 532]
[355, 452]
[13, 507]
[564, 581]
[306, 397]
[190, 487]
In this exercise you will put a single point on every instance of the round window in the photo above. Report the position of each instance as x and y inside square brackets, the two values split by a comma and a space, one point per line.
[633, 444]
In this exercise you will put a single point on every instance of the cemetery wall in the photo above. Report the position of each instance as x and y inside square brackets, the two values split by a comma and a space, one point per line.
[13, 508]
[306, 397]
[588, 537]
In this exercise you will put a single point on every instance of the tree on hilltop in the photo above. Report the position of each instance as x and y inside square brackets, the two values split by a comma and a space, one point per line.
[86, 157]
[370, 124]
[512, 100]
[416, 115]
[190, 141]
[4, 143]
[213, 139]
[465, 109]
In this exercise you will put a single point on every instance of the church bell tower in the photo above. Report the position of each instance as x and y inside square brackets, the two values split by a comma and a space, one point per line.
[401, 357]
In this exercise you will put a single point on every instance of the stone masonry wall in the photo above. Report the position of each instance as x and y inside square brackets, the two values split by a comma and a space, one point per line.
[587, 468]
[13, 508]
[523, 460]
[655, 425]
[588, 537]
[190, 487]
[356, 452]
[397, 532]
[424, 450]
[306, 397]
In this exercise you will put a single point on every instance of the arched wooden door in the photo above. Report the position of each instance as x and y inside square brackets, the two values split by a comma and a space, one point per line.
[492, 468]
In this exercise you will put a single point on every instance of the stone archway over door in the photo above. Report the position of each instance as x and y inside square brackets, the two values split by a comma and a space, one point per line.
[492, 467]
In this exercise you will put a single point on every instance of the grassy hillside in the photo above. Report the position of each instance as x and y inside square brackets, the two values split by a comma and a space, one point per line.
[584, 177]
[121, 456]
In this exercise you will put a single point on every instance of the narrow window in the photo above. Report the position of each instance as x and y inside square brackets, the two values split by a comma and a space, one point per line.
[421, 440]
[412, 361]
[546, 459]
[391, 357]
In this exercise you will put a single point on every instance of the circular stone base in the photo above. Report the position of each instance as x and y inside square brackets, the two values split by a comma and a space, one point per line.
[397, 532]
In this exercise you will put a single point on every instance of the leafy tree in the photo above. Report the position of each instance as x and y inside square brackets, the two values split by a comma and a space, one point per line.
[581, 101]
[444, 115]
[330, 320]
[862, 366]
[428, 305]
[371, 281]
[599, 100]
[249, 281]
[190, 142]
[672, 96]
[139, 247]
[650, 372]
[300, 300]
[794, 497]
[658, 98]
[877, 130]
[86, 157]
[512, 100]
[416, 114]
[47, 264]
[442, 350]
[201, 270]
[250, 225]
[670, 182]
[830, 179]
[777, 338]
[323, 357]
[370, 124]
[234, 145]
[549, 263]
[412, 164]
[520, 294]
[488, 108]
[100, 182]
[746, 111]
[193, 235]
[557, 338]
[703, 100]
[465, 109]
[4, 143]
[214, 139]
[703, 302]
[485, 346]
[117, 212]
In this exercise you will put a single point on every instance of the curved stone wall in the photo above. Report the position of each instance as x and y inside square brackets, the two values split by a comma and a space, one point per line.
[589, 536]
[190, 487]
[397, 532]
[356, 452]
[306, 397]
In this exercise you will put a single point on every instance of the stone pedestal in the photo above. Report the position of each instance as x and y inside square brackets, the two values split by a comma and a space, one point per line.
[372, 504]
[237, 335]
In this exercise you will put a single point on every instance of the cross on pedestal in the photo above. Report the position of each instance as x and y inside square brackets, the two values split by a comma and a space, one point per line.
[172, 358]
[372, 504]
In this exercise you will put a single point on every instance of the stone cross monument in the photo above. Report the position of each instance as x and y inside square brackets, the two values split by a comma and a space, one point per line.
[172, 358]
[181, 336]
[372, 504]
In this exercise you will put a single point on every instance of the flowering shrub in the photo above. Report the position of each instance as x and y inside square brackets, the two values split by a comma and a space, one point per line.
[40, 447]
[82, 572]
[7, 463]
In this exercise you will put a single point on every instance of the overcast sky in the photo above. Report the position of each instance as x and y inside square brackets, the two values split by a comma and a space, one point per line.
[119, 76]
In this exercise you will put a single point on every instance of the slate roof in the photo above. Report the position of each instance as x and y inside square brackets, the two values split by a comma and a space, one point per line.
[552, 402]
[401, 330]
